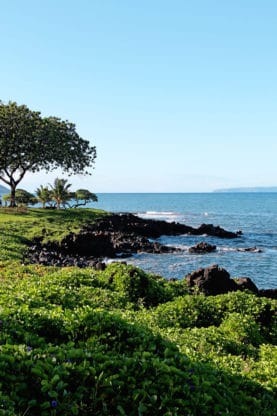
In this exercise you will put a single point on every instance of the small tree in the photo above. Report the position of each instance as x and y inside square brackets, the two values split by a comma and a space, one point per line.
[22, 197]
[60, 193]
[44, 195]
[30, 143]
[83, 197]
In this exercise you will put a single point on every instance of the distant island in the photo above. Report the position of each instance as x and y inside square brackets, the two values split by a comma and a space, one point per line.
[249, 189]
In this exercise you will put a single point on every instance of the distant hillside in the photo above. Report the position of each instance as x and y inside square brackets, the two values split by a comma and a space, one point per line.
[3, 190]
[249, 189]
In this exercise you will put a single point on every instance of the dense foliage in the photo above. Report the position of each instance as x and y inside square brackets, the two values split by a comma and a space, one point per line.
[22, 198]
[123, 342]
[83, 197]
[30, 142]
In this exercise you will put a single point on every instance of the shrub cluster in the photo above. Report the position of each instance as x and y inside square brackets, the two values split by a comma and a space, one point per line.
[122, 342]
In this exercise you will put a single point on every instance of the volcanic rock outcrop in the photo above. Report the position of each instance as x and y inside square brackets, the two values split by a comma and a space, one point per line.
[202, 248]
[113, 236]
[129, 223]
[214, 280]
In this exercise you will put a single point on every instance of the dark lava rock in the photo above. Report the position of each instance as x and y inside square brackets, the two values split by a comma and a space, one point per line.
[268, 293]
[250, 249]
[116, 235]
[215, 231]
[110, 244]
[99, 265]
[97, 244]
[212, 280]
[129, 223]
[245, 283]
[89, 248]
[202, 248]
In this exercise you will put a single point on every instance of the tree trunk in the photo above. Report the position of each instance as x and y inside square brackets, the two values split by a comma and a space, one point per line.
[12, 203]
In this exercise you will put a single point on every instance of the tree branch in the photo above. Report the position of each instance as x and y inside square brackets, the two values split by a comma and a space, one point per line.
[20, 177]
[4, 180]
[79, 204]
[7, 173]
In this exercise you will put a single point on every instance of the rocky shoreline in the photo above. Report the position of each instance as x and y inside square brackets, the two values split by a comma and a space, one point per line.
[119, 236]
[115, 236]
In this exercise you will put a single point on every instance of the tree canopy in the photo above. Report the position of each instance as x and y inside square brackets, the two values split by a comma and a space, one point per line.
[83, 196]
[22, 197]
[60, 195]
[30, 143]
[60, 192]
[57, 196]
[43, 195]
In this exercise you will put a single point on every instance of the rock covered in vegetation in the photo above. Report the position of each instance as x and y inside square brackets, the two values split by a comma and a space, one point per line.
[214, 280]
[202, 248]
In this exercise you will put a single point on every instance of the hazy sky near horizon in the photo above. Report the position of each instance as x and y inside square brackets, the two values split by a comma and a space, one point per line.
[177, 96]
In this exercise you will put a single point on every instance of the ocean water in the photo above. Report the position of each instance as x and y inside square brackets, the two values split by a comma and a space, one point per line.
[255, 214]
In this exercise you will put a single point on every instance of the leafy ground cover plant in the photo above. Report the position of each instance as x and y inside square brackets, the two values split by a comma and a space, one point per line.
[79, 342]
[123, 342]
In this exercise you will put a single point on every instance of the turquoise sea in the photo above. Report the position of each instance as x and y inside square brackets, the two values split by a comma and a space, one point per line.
[255, 214]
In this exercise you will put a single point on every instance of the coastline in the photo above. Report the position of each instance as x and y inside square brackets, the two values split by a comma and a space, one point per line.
[120, 236]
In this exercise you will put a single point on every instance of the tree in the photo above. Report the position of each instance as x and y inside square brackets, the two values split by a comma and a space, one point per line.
[22, 197]
[83, 196]
[60, 192]
[30, 143]
[44, 195]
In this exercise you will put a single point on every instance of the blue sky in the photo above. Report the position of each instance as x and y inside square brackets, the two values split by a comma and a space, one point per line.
[177, 96]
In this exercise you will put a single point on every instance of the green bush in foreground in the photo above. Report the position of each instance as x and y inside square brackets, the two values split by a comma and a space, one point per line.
[122, 342]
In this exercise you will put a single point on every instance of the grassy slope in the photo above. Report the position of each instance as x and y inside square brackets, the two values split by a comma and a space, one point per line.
[18, 227]
[122, 342]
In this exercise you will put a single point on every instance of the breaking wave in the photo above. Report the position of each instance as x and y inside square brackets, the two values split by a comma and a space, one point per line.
[164, 215]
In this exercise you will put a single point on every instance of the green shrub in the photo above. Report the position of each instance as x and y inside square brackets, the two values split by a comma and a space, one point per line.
[242, 328]
[136, 285]
[121, 342]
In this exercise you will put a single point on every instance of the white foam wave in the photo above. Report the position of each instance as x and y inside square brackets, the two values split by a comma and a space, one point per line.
[241, 249]
[165, 215]
[180, 246]
[227, 249]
